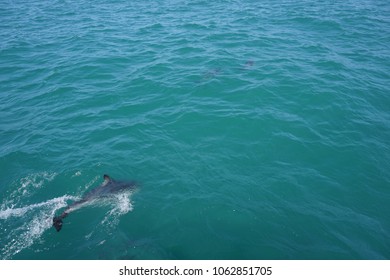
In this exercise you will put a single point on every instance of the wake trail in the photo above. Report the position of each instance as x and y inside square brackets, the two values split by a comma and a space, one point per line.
[17, 212]
[21, 227]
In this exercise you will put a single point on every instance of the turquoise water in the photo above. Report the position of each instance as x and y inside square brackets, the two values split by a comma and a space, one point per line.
[255, 129]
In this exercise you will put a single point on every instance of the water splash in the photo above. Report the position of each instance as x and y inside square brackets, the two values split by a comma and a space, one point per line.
[36, 181]
[26, 187]
[22, 227]
[119, 204]
[18, 212]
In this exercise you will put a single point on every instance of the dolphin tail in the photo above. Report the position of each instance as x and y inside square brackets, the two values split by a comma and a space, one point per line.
[57, 221]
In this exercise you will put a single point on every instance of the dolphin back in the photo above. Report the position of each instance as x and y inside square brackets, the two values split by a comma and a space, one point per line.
[109, 187]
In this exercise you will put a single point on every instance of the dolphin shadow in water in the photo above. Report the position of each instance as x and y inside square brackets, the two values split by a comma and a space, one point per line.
[108, 188]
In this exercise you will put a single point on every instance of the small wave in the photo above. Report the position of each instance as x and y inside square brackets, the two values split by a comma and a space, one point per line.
[21, 227]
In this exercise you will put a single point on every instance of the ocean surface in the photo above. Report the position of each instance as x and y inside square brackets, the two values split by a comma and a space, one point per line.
[254, 129]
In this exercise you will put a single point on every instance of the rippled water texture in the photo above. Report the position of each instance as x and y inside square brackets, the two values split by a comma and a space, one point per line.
[256, 129]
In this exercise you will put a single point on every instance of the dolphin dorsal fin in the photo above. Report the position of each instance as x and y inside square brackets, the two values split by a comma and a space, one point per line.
[107, 179]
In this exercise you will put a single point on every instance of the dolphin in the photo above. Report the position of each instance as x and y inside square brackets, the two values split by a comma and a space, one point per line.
[106, 189]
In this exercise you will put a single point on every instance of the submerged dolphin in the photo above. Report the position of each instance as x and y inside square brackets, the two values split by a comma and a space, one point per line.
[109, 187]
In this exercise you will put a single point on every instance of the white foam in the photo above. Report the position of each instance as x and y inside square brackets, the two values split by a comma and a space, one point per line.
[123, 204]
[36, 180]
[27, 224]
[17, 212]
[25, 236]
[27, 186]
[120, 204]
[78, 173]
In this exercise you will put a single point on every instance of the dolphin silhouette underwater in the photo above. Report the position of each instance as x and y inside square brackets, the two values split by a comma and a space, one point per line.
[108, 188]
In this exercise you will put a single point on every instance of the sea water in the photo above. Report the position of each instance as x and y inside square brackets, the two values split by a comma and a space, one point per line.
[255, 129]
